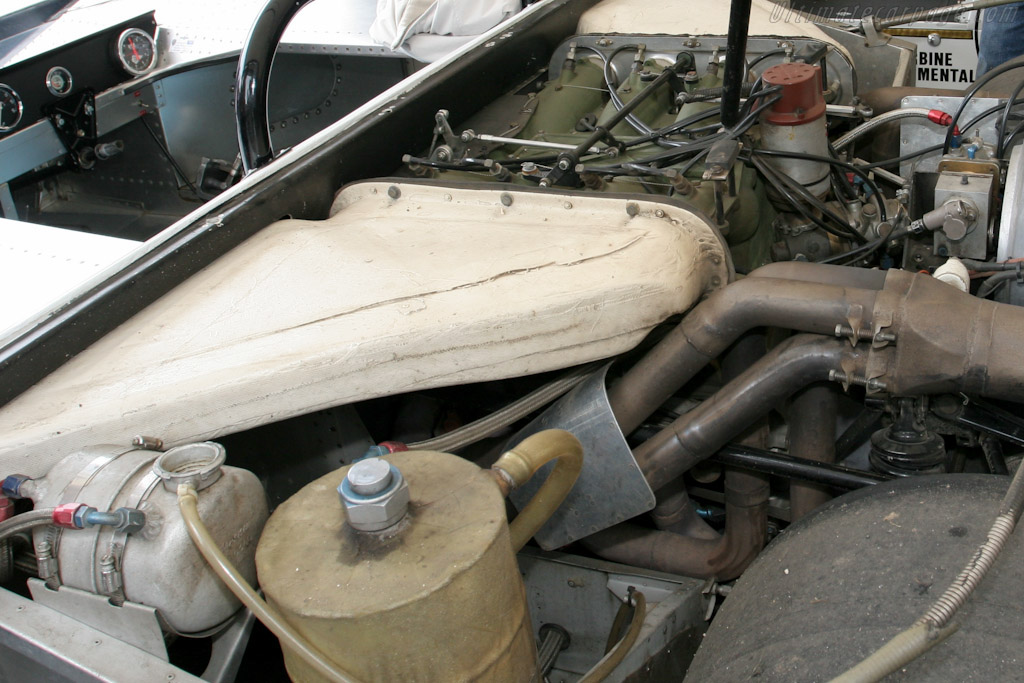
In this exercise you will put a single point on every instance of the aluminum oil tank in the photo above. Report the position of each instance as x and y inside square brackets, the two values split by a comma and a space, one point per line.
[436, 596]
[157, 566]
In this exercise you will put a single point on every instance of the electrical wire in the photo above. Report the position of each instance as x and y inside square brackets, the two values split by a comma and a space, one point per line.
[771, 53]
[866, 250]
[676, 127]
[1014, 133]
[900, 159]
[786, 186]
[670, 156]
[879, 197]
[1005, 119]
[609, 80]
[839, 179]
[969, 95]
[845, 230]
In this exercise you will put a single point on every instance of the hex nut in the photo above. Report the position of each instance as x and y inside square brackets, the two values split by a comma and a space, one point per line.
[379, 512]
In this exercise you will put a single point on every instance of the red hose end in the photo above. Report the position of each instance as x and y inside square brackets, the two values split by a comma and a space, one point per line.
[64, 515]
[6, 508]
[939, 117]
[393, 446]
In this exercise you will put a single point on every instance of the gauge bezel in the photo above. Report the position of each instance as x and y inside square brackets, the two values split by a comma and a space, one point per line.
[21, 109]
[125, 64]
[68, 78]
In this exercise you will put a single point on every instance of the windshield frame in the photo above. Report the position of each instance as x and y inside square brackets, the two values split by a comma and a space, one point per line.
[19, 25]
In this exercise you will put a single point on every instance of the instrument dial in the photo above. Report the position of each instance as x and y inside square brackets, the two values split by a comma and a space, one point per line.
[10, 108]
[58, 81]
[137, 51]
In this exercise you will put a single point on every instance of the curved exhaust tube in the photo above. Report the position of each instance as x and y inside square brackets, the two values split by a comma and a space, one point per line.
[697, 435]
[721, 558]
[924, 337]
[928, 337]
[812, 298]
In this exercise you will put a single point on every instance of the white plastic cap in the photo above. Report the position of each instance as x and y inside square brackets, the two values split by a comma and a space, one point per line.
[954, 272]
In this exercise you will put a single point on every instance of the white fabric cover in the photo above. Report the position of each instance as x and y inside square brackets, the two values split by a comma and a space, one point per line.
[439, 287]
[429, 29]
[694, 18]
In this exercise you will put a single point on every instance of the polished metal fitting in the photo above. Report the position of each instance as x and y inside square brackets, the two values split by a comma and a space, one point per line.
[375, 495]
[196, 464]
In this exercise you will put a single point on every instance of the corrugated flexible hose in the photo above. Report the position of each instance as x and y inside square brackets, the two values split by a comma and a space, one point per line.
[934, 626]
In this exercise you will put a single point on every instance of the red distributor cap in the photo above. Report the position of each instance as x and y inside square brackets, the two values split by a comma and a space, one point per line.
[802, 100]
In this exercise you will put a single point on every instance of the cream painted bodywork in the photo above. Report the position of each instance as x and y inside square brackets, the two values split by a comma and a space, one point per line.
[694, 18]
[440, 286]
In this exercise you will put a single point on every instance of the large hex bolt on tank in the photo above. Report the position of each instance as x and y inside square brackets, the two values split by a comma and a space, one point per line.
[375, 495]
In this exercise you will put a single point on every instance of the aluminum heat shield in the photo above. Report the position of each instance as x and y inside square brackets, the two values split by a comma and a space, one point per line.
[611, 488]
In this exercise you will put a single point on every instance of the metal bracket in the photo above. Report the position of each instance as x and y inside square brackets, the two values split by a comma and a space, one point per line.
[654, 591]
[880, 339]
[228, 648]
[872, 38]
[132, 623]
[453, 146]
[611, 488]
[853, 330]
[718, 168]
[991, 419]
[7, 207]
[712, 590]
[74, 120]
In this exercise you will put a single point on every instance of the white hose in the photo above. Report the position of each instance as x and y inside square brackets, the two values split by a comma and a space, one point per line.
[485, 426]
[881, 119]
[221, 565]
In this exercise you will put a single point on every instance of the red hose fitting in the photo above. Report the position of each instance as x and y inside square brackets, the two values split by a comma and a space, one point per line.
[6, 508]
[64, 515]
[939, 117]
[393, 446]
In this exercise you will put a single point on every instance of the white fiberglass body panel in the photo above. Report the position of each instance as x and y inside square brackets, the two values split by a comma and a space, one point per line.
[405, 287]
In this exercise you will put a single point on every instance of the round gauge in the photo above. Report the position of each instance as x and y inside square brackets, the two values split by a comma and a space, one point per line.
[10, 108]
[58, 81]
[137, 51]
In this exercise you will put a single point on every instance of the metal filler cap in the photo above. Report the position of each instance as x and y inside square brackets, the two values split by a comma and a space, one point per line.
[375, 495]
[369, 476]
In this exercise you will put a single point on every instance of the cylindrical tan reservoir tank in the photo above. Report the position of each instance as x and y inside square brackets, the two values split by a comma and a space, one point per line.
[436, 597]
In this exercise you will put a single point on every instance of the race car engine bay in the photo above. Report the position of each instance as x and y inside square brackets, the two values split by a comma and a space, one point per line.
[664, 353]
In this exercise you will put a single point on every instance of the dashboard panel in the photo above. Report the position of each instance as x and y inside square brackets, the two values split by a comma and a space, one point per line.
[92, 63]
